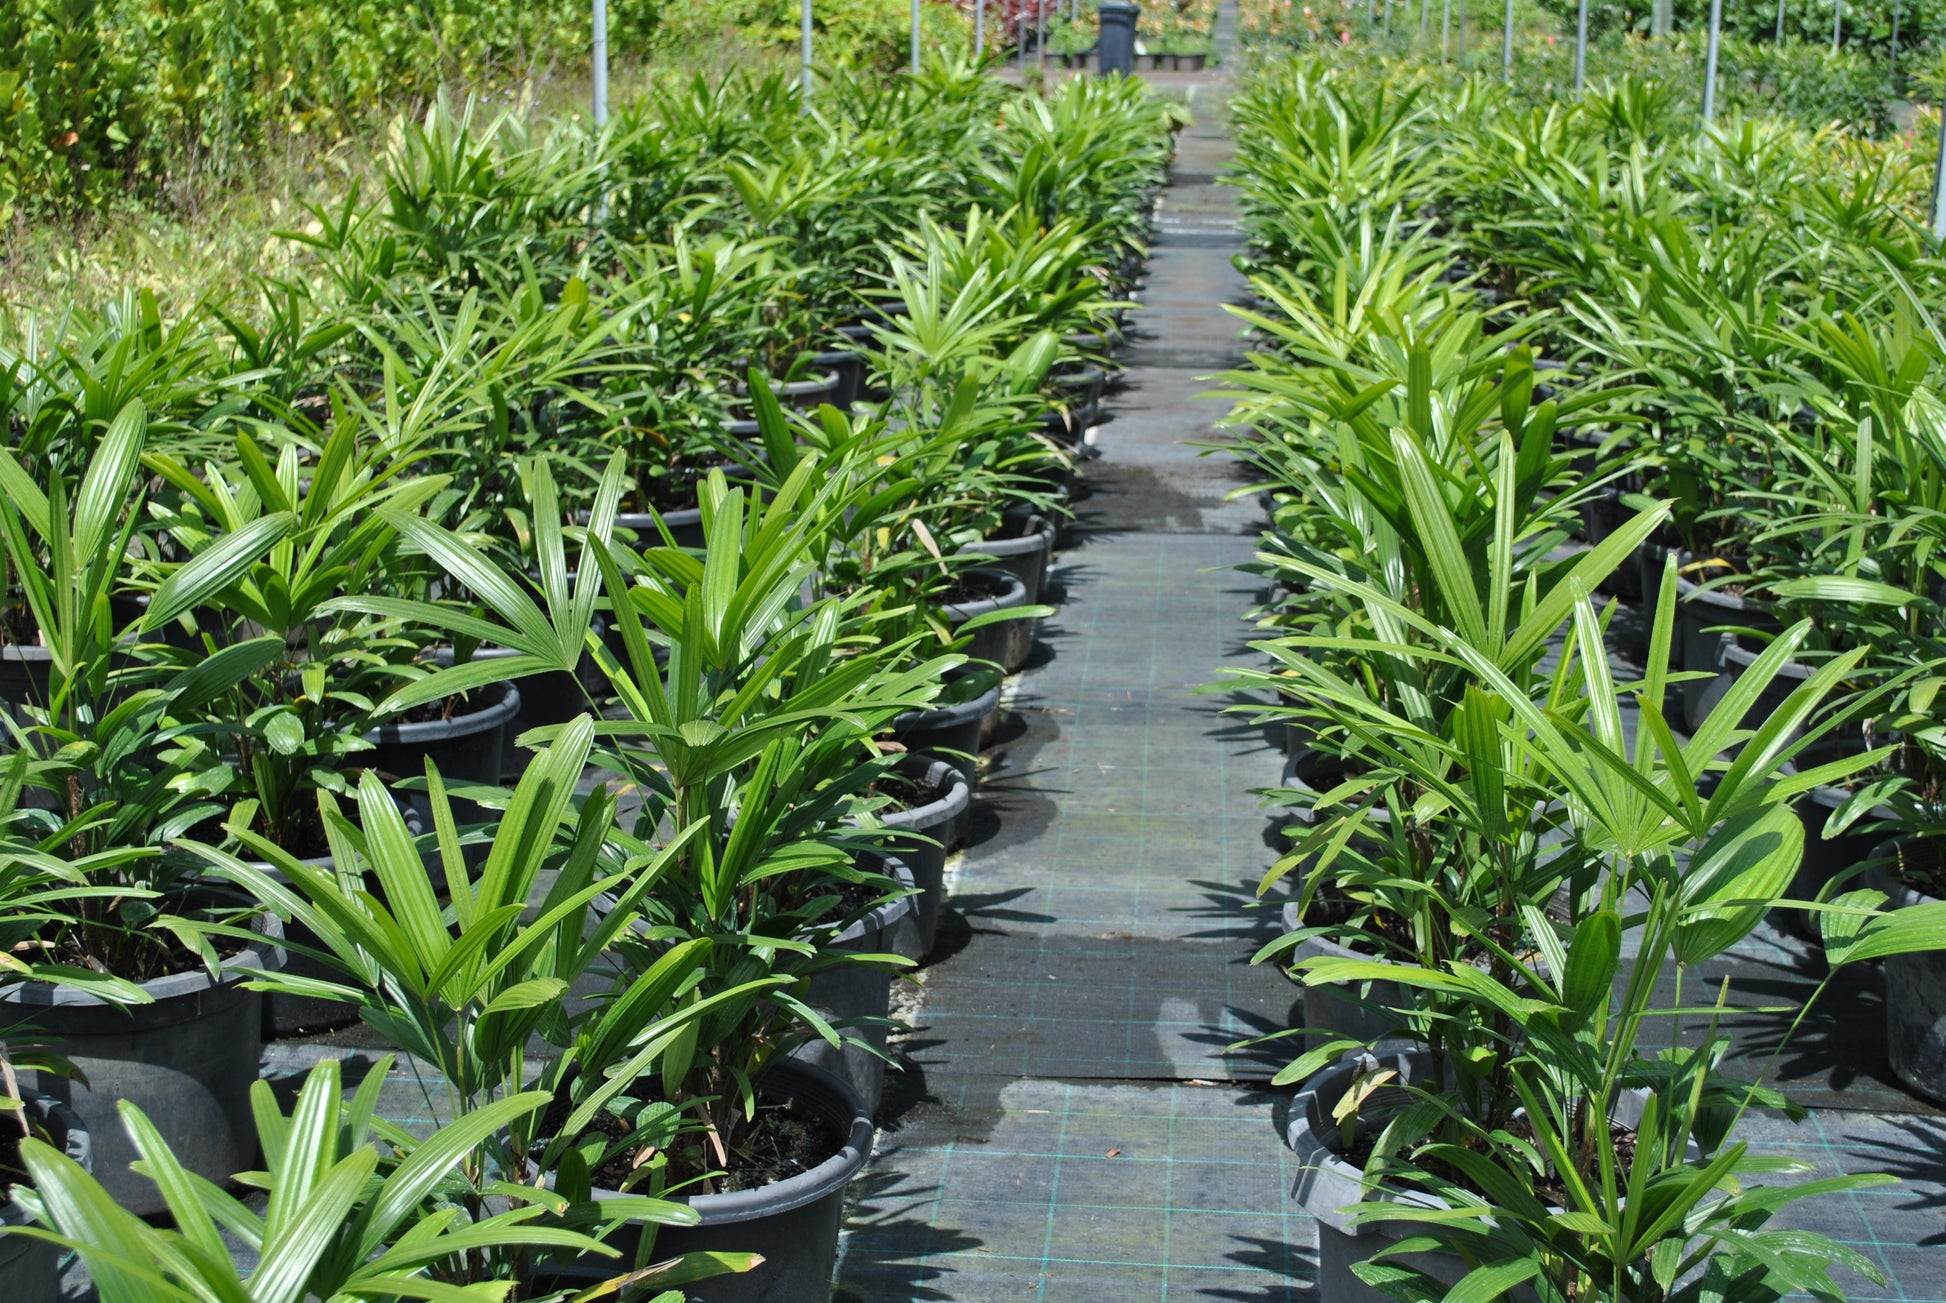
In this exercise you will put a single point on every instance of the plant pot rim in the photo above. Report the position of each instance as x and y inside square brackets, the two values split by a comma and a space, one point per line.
[961, 712]
[1326, 1177]
[256, 957]
[440, 730]
[1012, 593]
[832, 1174]
[1038, 536]
[881, 917]
[1898, 894]
[1379, 815]
[939, 775]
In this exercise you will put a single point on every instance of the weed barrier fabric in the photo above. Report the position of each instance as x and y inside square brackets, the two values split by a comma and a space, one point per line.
[988, 1190]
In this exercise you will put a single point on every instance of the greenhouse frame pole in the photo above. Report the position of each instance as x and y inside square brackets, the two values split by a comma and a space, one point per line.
[1507, 45]
[1939, 193]
[1780, 22]
[915, 38]
[804, 50]
[1388, 20]
[599, 51]
[1040, 34]
[1445, 30]
[979, 28]
[1580, 45]
[1709, 62]
[1837, 26]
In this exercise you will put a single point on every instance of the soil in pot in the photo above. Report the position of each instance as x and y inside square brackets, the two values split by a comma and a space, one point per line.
[1911, 871]
[792, 1222]
[187, 1060]
[32, 1268]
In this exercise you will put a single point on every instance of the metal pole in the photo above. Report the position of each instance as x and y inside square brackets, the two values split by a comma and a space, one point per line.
[1837, 25]
[979, 27]
[1446, 31]
[1580, 46]
[1040, 34]
[1939, 192]
[1709, 62]
[600, 53]
[1425, 16]
[1388, 20]
[1020, 41]
[1780, 22]
[804, 50]
[1507, 45]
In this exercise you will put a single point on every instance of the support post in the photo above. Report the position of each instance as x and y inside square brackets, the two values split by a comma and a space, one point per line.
[1580, 46]
[1709, 62]
[600, 58]
[1780, 22]
[915, 37]
[1040, 34]
[804, 49]
[1837, 26]
[1507, 45]
[1446, 31]
[979, 28]
[1939, 192]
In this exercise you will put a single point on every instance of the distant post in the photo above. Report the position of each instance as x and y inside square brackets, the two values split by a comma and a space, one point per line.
[1709, 62]
[804, 50]
[600, 52]
[1507, 45]
[1580, 46]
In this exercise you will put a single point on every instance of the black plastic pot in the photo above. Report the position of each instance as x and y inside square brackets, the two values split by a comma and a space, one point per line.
[1703, 615]
[1733, 657]
[862, 990]
[931, 829]
[1825, 859]
[1915, 987]
[848, 366]
[1006, 643]
[954, 728]
[1339, 1009]
[1602, 515]
[297, 1015]
[552, 698]
[793, 1223]
[467, 749]
[1023, 549]
[808, 394]
[32, 1268]
[187, 1060]
[1327, 1185]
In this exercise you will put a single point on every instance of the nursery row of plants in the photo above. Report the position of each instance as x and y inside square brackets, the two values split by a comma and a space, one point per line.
[1603, 628]
[1803, 76]
[101, 99]
[555, 628]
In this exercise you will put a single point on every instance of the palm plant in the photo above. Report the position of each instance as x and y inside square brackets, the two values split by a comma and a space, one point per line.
[343, 1219]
